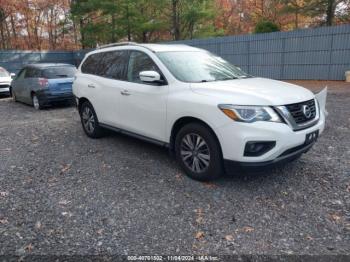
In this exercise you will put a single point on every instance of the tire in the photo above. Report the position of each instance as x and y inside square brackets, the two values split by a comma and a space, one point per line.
[89, 121]
[13, 95]
[36, 102]
[201, 163]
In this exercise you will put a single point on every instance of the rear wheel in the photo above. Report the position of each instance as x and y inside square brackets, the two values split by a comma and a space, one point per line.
[36, 102]
[89, 121]
[198, 152]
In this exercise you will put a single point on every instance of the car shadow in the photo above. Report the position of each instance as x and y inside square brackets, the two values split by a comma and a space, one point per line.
[239, 175]
[3, 96]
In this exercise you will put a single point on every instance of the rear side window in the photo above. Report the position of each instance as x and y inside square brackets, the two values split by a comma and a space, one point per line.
[111, 64]
[59, 72]
[32, 73]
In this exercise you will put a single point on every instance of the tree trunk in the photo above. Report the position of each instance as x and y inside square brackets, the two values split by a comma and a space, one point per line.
[296, 19]
[176, 18]
[14, 33]
[330, 12]
[81, 24]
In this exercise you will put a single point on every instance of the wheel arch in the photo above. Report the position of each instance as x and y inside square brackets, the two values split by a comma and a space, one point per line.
[181, 122]
[81, 101]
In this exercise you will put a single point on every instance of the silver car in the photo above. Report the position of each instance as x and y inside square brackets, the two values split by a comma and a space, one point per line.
[5, 81]
[42, 84]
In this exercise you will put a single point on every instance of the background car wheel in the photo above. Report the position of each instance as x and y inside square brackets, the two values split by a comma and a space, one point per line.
[13, 95]
[36, 102]
[89, 121]
[198, 152]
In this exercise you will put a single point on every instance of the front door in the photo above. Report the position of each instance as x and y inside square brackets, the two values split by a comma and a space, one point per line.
[18, 84]
[143, 105]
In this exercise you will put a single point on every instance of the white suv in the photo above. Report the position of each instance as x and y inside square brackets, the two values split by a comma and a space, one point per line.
[210, 113]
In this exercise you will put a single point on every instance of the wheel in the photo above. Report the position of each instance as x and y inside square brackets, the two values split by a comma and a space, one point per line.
[198, 152]
[36, 102]
[89, 121]
[13, 95]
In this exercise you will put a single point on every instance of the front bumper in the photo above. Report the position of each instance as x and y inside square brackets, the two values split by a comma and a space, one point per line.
[234, 136]
[46, 97]
[4, 89]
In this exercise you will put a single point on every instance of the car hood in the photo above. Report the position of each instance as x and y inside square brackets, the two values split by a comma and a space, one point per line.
[5, 79]
[253, 91]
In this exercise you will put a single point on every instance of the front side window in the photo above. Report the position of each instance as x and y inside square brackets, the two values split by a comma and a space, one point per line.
[199, 66]
[139, 62]
[21, 74]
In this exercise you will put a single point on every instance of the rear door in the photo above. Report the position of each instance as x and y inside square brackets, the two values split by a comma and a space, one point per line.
[102, 79]
[60, 79]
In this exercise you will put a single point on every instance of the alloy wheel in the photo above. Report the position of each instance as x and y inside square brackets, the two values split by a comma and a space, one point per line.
[36, 102]
[195, 153]
[88, 120]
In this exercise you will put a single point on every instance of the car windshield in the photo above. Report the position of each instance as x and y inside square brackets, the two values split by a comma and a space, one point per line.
[200, 67]
[59, 72]
[3, 73]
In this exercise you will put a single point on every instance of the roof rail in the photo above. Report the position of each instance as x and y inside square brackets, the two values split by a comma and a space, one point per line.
[116, 44]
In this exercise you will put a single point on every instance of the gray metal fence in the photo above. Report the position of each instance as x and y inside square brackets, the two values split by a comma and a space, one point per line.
[13, 61]
[317, 54]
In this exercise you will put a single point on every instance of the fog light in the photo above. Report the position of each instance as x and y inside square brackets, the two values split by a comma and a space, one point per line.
[258, 148]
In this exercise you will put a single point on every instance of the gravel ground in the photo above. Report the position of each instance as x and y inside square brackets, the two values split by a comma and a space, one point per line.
[63, 193]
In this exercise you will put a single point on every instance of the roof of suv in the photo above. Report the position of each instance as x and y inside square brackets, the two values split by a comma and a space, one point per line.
[153, 47]
[167, 48]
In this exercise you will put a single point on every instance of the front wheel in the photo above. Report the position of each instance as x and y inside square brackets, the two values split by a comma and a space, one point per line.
[198, 152]
[13, 95]
[89, 121]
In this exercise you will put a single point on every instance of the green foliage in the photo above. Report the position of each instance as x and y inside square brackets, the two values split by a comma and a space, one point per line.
[266, 26]
[105, 21]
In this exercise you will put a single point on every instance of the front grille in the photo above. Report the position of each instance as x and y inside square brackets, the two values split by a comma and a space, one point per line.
[297, 111]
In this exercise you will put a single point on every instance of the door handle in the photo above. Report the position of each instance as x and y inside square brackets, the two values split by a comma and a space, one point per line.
[91, 86]
[125, 93]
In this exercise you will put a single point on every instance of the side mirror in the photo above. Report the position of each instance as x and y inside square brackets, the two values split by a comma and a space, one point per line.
[150, 76]
[12, 75]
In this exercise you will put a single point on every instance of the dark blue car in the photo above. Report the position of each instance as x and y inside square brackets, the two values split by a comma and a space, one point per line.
[42, 84]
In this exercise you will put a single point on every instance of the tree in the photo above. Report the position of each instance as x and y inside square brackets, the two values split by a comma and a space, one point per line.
[325, 10]
[265, 26]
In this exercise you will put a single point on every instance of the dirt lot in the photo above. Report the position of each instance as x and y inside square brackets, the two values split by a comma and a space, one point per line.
[63, 193]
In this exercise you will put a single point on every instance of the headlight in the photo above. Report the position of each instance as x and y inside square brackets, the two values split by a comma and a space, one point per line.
[250, 114]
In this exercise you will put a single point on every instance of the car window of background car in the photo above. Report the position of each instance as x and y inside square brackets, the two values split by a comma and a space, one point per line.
[199, 67]
[59, 72]
[139, 62]
[113, 65]
[30, 72]
[91, 64]
[21, 74]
